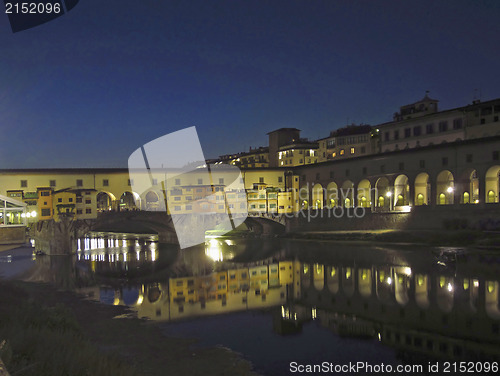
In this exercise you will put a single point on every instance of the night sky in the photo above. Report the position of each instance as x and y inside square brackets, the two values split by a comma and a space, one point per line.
[92, 86]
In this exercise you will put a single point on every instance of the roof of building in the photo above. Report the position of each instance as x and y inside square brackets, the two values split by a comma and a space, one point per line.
[352, 130]
[285, 130]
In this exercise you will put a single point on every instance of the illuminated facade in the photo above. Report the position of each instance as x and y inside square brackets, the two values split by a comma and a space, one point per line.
[257, 157]
[349, 142]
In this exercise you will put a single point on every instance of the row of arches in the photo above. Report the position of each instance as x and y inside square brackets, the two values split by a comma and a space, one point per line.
[388, 193]
[107, 201]
[399, 284]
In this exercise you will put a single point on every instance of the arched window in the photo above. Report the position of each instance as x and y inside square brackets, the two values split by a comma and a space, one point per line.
[400, 200]
[381, 201]
[491, 197]
[420, 199]
[466, 198]
[442, 199]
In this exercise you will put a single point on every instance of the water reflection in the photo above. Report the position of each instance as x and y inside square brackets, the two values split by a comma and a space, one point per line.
[421, 302]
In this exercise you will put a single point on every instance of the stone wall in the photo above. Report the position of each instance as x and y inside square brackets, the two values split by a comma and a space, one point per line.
[59, 238]
[445, 217]
[12, 235]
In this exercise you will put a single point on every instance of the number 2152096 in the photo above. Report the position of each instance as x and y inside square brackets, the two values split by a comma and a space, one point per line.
[32, 8]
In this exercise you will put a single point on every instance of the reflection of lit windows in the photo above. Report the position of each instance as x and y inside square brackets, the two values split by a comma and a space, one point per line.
[342, 152]
[352, 150]
[334, 154]
[348, 272]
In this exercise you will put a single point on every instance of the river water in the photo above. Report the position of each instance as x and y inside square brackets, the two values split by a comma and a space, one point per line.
[285, 304]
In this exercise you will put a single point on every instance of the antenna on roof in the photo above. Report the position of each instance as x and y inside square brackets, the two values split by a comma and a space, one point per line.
[427, 92]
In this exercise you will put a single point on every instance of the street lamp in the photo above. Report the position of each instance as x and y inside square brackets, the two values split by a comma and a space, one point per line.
[450, 193]
[389, 195]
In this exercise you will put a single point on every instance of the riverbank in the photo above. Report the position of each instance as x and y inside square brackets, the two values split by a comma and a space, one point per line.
[51, 332]
[431, 238]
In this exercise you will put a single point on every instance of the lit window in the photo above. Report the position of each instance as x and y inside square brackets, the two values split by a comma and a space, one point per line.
[352, 150]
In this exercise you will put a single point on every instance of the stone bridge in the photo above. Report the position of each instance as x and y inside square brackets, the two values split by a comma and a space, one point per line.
[60, 237]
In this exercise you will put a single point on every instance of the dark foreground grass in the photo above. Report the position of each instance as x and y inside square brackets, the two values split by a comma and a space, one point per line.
[53, 332]
[48, 340]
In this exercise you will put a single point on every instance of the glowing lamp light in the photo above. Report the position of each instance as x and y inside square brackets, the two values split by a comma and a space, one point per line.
[389, 194]
[140, 299]
[389, 280]
[406, 208]
[33, 213]
[450, 190]
[23, 215]
[450, 287]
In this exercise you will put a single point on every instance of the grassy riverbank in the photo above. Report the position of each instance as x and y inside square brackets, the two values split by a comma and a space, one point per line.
[50, 332]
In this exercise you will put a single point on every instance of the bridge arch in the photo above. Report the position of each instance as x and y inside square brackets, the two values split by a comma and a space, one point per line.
[305, 275]
[365, 282]
[422, 287]
[422, 189]
[319, 276]
[304, 197]
[383, 192]
[105, 200]
[153, 292]
[332, 195]
[317, 196]
[492, 299]
[332, 279]
[401, 284]
[492, 186]
[348, 281]
[347, 194]
[401, 191]
[364, 193]
[384, 284]
[130, 201]
[445, 293]
[152, 201]
[468, 187]
[445, 188]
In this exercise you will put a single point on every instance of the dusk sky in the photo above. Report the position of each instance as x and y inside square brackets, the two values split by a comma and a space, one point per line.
[92, 86]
